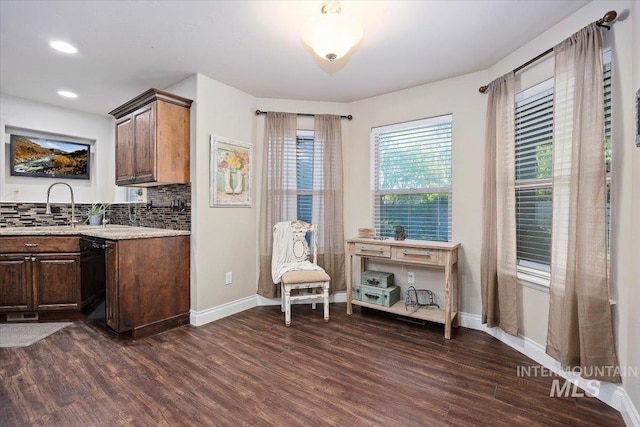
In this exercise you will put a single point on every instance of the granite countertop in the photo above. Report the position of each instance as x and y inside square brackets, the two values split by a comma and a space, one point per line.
[110, 232]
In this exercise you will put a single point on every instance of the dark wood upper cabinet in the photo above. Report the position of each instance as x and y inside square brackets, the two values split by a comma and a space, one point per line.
[152, 140]
[125, 167]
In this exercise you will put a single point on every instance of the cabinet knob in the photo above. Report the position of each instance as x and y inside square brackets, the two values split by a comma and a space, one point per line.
[31, 245]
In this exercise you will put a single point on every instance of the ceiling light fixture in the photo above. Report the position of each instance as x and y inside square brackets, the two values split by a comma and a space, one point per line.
[67, 94]
[63, 46]
[331, 34]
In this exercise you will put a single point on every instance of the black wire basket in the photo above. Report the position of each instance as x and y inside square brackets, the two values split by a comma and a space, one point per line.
[416, 298]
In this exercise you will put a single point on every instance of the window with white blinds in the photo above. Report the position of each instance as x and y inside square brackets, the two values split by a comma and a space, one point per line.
[304, 175]
[534, 136]
[607, 139]
[534, 190]
[412, 178]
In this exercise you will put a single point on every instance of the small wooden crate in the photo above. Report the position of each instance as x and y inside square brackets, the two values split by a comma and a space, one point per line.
[369, 233]
[380, 296]
[377, 278]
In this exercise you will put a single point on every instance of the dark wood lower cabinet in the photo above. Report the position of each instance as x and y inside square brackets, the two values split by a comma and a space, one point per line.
[56, 279]
[146, 281]
[16, 289]
[34, 279]
[147, 284]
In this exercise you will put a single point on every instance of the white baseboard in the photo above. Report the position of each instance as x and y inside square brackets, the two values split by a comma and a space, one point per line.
[629, 412]
[199, 318]
[611, 394]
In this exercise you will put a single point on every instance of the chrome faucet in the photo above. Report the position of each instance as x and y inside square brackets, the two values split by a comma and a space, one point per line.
[73, 221]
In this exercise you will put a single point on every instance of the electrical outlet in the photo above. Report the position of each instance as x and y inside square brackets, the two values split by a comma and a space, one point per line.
[228, 278]
[411, 277]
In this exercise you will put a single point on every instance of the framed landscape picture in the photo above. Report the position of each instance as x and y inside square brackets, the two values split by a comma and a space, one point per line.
[48, 158]
[230, 174]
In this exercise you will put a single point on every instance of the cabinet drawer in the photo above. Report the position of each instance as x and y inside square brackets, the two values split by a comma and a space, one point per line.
[420, 256]
[37, 244]
[373, 250]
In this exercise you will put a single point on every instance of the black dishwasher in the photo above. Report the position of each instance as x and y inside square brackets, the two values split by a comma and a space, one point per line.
[93, 277]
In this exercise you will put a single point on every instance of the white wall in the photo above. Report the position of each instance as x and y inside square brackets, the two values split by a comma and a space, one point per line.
[460, 97]
[224, 239]
[23, 114]
[632, 385]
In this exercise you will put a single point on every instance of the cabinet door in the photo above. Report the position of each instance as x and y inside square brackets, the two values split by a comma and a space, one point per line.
[124, 151]
[111, 302]
[56, 281]
[15, 283]
[144, 137]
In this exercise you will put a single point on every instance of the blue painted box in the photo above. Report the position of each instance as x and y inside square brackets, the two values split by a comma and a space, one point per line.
[385, 297]
[377, 278]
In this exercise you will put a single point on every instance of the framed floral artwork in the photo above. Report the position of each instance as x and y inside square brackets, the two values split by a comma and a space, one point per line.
[230, 173]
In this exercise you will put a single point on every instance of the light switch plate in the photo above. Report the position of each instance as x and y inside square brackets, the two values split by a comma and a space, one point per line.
[228, 278]
[411, 277]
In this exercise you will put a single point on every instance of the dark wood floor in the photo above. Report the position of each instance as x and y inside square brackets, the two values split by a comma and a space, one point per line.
[248, 369]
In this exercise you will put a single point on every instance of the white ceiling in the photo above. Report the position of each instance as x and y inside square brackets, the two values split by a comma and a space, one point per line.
[127, 47]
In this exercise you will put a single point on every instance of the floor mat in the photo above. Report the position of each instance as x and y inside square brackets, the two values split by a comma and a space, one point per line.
[25, 334]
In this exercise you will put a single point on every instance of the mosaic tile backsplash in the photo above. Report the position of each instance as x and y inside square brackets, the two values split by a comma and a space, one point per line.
[168, 206]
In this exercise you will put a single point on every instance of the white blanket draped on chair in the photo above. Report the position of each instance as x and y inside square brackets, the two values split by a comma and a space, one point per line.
[283, 258]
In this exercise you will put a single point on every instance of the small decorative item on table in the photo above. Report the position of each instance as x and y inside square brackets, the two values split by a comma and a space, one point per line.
[368, 233]
[400, 234]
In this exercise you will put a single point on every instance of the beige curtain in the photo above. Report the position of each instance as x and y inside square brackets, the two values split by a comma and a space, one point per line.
[278, 197]
[327, 201]
[498, 255]
[580, 330]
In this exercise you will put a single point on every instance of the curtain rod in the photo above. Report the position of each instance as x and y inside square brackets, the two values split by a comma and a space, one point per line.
[258, 112]
[608, 17]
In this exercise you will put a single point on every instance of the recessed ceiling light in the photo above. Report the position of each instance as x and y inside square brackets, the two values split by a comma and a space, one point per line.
[67, 94]
[63, 46]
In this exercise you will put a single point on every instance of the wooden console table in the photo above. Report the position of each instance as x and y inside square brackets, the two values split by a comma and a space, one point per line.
[412, 252]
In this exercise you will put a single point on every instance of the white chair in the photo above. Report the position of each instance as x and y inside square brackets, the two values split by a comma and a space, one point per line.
[292, 267]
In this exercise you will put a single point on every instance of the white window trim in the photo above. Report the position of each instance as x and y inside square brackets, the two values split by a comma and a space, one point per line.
[372, 164]
[534, 279]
